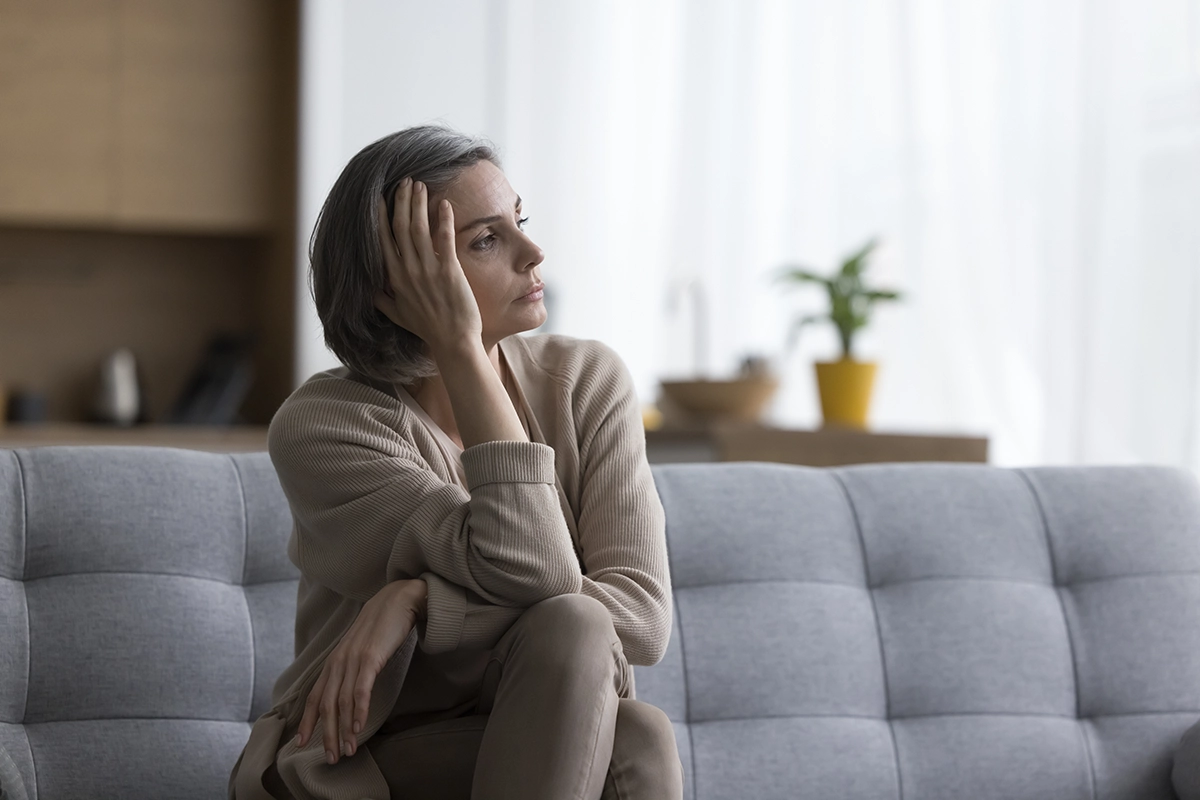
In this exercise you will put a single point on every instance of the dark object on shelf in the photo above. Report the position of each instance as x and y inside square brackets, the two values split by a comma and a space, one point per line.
[219, 385]
[26, 405]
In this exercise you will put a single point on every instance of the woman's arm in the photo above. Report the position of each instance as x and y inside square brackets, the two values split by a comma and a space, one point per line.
[369, 510]
[622, 530]
[622, 525]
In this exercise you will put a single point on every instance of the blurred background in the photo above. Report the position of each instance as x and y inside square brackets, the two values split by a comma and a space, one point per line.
[1030, 170]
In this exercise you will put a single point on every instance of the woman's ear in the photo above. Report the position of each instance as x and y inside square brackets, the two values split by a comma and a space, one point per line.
[387, 304]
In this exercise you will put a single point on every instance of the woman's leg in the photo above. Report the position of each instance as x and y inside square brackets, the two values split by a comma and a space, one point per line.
[551, 690]
[551, 725]
[645, 761]
[430, 762]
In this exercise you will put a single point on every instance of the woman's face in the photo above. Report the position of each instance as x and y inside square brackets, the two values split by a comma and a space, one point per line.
[500, 261]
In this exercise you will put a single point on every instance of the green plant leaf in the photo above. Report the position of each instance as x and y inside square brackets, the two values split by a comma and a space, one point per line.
[801, 276]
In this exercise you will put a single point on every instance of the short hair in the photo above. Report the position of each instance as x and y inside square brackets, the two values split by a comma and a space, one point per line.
[346, 266]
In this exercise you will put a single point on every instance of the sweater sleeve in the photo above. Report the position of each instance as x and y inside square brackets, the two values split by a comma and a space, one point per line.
[369, 510]
[622, 530]
[622, 525]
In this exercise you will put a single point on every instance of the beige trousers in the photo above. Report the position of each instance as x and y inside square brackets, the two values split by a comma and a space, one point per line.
[550, 726]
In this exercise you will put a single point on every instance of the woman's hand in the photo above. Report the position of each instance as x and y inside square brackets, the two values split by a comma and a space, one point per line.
[341, 696]
[429, 293]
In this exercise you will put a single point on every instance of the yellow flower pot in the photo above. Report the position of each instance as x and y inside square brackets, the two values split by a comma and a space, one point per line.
[845, 388]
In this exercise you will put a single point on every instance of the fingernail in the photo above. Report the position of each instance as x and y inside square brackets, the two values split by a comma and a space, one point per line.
[345, 749]
[407, 180]
[357, 727]
[329, 756]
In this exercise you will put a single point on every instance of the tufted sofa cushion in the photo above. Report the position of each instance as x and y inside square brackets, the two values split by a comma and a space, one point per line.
[892, 631]
[148, 605]
[930, 631]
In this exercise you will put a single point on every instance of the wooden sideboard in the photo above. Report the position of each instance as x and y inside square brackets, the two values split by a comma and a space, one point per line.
[210, 438]
[822, 447]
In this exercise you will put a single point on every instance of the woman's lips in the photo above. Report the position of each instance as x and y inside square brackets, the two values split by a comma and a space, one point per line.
[536, 294]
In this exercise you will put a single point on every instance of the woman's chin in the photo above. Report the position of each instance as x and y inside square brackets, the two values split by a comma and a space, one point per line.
[534, 317]
[521, 324]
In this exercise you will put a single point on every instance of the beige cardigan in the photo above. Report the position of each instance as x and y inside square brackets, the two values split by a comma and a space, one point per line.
[376, 499]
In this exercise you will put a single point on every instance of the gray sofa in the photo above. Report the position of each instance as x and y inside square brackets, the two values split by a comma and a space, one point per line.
[888, 631]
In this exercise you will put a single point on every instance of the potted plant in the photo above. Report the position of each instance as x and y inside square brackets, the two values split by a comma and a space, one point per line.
[845, 385]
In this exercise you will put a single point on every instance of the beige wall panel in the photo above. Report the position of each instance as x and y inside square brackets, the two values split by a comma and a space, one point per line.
[195, 83]
[56, 110]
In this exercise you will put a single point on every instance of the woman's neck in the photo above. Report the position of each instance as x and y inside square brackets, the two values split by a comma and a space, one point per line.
[431, 395]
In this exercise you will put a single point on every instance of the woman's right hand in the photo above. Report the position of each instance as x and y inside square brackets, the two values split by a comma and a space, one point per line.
[429, 293]
[342, 694]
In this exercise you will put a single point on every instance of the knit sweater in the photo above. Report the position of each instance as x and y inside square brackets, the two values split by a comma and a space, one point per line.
[377, 496]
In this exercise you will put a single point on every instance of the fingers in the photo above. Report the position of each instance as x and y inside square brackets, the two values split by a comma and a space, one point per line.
[445, 233]
[419, 229]
[311, 709]
[401, 222]
[346, 709]
[329, 713]
[362, 699]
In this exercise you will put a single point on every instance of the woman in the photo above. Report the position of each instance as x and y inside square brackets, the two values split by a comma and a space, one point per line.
[481, 547]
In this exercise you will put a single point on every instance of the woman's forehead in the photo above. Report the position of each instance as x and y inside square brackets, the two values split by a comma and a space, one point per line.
[480, 190]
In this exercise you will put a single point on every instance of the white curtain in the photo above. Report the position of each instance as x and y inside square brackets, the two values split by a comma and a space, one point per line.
[1032, 167]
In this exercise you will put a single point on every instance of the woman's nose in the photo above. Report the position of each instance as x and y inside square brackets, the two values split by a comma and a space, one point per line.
[534, 253]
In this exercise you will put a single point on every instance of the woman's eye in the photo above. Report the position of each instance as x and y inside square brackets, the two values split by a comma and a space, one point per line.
[486, 242]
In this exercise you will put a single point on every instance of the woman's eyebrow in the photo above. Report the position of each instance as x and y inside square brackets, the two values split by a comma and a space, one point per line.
[486, 220]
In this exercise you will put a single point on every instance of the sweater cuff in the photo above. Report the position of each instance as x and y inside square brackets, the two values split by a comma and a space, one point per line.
[445, 607]
[508, 462]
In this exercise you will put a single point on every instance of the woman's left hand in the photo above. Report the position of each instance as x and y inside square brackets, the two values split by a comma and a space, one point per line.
[341, 696]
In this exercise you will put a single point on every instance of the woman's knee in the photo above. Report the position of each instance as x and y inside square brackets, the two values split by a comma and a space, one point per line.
[645, 760]
[570, 627]
[644, 728]
[570, 613]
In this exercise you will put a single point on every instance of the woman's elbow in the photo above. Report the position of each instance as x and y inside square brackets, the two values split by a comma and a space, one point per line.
[649, 641]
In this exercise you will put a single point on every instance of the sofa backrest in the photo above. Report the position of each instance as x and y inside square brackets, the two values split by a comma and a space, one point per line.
[922, 631]
[930, 630]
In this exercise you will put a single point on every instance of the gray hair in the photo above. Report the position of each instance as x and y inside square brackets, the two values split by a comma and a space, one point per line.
[346, 266]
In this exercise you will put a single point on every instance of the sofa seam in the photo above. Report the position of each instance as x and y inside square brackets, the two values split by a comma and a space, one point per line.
[948, 714]
[245, 599]
[934, 578]
[887, 693]
[28, 621]
[1058, 593]
[158, 574]
[245, 519]
[687, 685]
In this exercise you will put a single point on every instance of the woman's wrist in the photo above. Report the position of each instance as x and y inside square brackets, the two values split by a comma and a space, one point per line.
[412, 595]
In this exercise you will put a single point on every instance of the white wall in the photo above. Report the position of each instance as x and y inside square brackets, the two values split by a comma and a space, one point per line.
[369, 68]
[1032, 169]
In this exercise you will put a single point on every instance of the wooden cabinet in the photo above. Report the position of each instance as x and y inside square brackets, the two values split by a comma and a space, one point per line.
[57, 110]
[194, 119]
[141, 114]
[147, 192]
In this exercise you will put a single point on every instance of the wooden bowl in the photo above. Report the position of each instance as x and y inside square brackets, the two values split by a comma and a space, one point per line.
[740, 399]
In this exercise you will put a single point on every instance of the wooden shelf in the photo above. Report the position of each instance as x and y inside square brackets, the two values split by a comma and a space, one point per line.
[213, 439]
